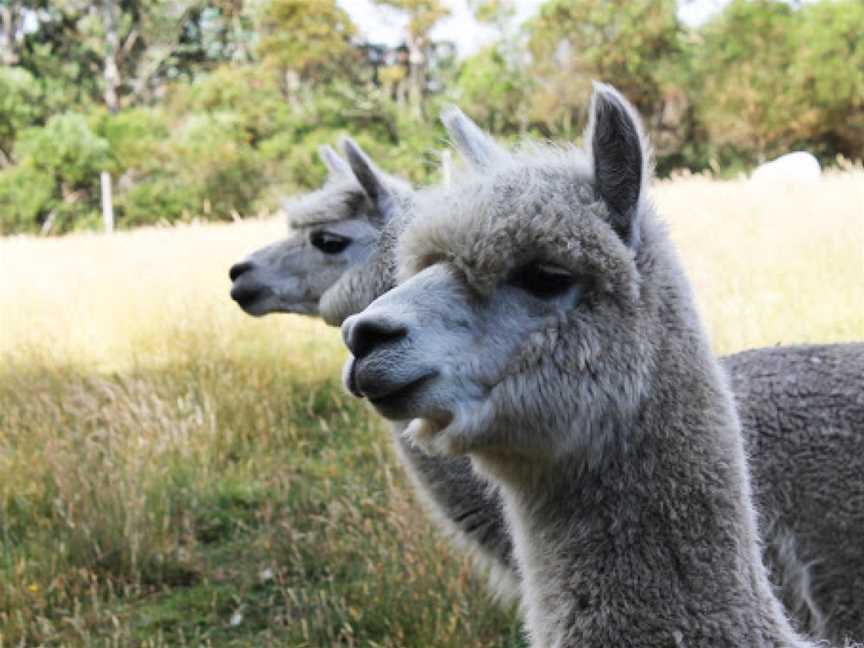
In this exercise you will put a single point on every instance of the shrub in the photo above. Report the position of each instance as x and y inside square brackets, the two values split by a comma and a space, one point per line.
[26, 198]
[20, 105]
[57, 172]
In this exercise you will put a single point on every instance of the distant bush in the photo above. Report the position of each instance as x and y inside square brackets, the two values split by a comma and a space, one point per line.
[233, 119]
[249, 92]
[206, 168]
[57, 175]
[159, 198]
[134, 137]
[494, 90]
[20, 105]
[26, 196]
[67, 147]
[772, 78]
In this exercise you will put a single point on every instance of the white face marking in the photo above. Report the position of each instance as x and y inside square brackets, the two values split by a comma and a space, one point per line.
[291, 275]
[454, 349]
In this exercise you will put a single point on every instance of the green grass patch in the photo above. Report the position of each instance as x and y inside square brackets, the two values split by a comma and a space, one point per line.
[224, 500]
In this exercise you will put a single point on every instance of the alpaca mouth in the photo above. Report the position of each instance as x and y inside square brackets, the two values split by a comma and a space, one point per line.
[258, 300]
[387, 397]
[399, 395]
[246, 296]
[255, 299]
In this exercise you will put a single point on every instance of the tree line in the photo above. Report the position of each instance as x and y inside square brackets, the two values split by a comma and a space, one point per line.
[214, 108]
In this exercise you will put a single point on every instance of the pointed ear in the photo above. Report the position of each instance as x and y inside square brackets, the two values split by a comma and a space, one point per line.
[475, 146]
[618, 147]
[336, 166]
[372, 180]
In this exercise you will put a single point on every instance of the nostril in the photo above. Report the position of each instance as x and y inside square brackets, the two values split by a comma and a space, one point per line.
[367, 334]
[238, 269]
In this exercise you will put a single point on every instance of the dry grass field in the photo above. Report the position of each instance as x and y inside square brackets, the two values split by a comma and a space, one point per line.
[173, 472]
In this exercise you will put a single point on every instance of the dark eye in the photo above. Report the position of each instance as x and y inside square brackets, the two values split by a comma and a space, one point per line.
[543, 280]
[329, 243]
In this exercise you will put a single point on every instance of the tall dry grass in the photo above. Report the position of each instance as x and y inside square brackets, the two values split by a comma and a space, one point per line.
[773, 263]
[173, 472]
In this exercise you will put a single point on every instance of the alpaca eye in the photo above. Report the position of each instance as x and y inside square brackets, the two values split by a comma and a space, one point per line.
[329, 243]
[542, 280]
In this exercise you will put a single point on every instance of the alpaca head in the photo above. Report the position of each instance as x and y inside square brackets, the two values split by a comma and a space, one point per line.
[367, 281]
[334, 229]
[524, 311]
[359, 261]
[392, 200]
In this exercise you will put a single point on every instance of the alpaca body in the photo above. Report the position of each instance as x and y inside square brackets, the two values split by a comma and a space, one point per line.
[809, 520]
[801, 409]
[592, 576]
[543, 328]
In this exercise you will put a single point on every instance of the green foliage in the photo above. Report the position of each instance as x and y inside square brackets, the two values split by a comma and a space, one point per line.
[624, 42]
[57, 175]
[26, 194]
[747, 98]
[771, 77]
[67, 148]
[134, 136]
[829, 66]
[307, 37]
[223, 104]
[161, 198]
[207, 168]
[251, 93]
[494, 90]
[20, 105]
[168, 502]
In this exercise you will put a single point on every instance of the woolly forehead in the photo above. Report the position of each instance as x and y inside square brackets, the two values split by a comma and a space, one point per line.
[336, 201]
[537, 208]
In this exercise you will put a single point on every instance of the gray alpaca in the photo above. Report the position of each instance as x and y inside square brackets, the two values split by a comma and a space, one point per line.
[802, 409]
[545, 329]
[334, 229]
[796, 397]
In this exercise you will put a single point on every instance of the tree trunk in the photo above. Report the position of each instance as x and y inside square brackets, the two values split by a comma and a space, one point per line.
[112, 43]
[291, 85]
[10, 17]
[416, 75]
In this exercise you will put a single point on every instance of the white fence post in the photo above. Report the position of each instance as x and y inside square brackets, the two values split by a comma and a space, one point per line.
[107, 202]
[446, 167]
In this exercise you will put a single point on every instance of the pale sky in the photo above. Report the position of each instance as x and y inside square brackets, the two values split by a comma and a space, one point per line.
[383, 25]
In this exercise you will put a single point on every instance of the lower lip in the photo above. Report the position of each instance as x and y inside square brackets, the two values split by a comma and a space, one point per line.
[393, 399]
[351, 378]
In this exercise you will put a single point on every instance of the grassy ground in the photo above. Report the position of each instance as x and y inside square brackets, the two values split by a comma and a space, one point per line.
[173, 472]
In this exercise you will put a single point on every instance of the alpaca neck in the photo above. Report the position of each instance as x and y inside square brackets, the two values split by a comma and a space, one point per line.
[656, 547]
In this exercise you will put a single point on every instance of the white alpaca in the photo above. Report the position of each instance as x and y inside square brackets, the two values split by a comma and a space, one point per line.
[799, 166]
[544, 328]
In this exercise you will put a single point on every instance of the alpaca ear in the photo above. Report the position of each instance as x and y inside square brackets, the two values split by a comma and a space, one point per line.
[618, 148]
[372, 180]
[336, 166]
[475, 146]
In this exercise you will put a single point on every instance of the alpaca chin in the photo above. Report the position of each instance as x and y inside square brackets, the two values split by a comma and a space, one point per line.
[422, 432]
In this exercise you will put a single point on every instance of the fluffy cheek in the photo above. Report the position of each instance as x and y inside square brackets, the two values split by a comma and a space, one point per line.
[553, 397]
[471, 428]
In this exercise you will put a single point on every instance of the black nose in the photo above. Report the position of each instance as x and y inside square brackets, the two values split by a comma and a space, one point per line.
[368, 333]
[238, 269]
